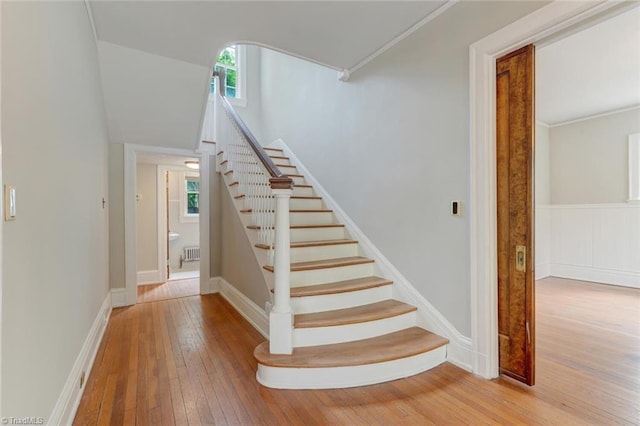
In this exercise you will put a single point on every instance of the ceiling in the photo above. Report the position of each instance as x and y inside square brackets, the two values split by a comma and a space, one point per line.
[594, 71]
[339, 34]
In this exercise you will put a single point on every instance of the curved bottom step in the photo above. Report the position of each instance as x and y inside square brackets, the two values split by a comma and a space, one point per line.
[358, 363]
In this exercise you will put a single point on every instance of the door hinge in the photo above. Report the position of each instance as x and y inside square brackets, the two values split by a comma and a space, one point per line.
[528, 332]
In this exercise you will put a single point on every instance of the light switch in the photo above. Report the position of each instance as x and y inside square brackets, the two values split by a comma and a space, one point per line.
[9, 203]
[455, 208]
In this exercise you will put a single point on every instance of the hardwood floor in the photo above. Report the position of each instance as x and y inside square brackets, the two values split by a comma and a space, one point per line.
[168, 290]
[190, 361]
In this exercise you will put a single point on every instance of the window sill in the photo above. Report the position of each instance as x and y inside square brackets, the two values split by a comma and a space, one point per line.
[192, 218]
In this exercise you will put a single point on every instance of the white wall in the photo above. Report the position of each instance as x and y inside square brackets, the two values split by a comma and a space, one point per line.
[149, 98]
[596, 242]
[116, 215]
[251, 113]
[589, 160]
[54, 141]
[147, 218]
[189, 232]
[392, 144]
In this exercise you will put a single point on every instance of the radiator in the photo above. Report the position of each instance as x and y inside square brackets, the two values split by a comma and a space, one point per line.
[191, 254]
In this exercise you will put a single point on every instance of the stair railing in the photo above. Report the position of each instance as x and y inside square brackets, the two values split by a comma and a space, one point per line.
[267, 192]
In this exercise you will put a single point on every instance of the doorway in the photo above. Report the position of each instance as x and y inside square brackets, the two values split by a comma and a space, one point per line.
[167, 227]
[535, 28]
[589, 123]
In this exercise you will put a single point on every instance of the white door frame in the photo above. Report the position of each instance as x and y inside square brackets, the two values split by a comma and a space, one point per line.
[533, 28]
[130, 263]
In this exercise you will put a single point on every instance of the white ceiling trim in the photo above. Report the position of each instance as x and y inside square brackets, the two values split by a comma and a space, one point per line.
[344, 76]
[591, 117]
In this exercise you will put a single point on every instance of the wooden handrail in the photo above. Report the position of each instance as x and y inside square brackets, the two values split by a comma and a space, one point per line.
[277, 179]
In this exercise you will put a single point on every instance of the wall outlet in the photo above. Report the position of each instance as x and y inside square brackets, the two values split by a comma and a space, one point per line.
[456, 208]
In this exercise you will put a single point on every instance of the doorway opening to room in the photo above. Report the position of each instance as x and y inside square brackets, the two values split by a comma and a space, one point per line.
[586, 254]
[167, 227]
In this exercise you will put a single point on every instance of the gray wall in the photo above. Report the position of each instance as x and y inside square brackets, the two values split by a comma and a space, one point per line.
[116, 215]
[54, 141]
[147, 217]
[542, 165]
[392, 144]
[237, 261]
[589, 159]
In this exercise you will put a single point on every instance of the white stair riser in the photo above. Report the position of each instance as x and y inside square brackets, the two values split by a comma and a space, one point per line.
[346, 333]
[345, 377]
[330, 302]
[328, 275]
[302, 191]
[305, 204]
[317, 234]
[308, 254]
[311, 218]
[280, 161]
[289, 170]
[297, 180]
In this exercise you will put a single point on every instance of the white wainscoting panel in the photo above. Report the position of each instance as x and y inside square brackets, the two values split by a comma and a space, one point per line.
[596, 242]
[543, 241]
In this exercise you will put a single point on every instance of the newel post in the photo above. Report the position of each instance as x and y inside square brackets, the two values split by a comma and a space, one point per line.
[281, 315]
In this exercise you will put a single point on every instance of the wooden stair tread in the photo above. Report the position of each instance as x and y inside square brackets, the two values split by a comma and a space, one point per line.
[326, 263]
[313, 243]
[305, 197]
[337, 287]
[272, 149]
[331, 225]
[359, 314]
[389, 347]
[278, 157]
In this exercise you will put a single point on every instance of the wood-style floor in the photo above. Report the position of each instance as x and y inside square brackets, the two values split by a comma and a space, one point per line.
[189, 361]
[169, 290]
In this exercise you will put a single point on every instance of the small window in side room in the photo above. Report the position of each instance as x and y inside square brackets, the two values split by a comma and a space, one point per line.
[190, 198]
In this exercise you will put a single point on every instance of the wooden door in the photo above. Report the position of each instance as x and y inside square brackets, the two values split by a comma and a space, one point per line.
[515, 198]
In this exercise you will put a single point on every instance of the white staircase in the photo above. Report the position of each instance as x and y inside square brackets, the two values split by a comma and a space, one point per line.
[348, 330]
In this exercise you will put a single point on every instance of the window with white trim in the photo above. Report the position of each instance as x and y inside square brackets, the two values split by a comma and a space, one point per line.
[190, 197]
[232, 61]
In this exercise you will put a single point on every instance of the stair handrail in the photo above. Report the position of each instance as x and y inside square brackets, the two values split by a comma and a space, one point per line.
[279, 179]
[281, 314]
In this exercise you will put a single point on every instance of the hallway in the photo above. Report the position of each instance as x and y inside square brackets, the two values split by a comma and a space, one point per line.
[189, 361]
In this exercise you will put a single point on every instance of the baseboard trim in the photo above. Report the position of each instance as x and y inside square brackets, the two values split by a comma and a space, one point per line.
[212, 286]
[119, 297]
[254, 314]
[65, 409]
[148, 277]
[543, 270]
[598, 275]
[460, 349]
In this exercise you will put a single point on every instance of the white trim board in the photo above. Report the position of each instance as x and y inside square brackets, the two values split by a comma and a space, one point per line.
[596, 275]
[459, 350]
[254, 314]
[65, 409]
[544, 22]
[149, 277]
[118, 297]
